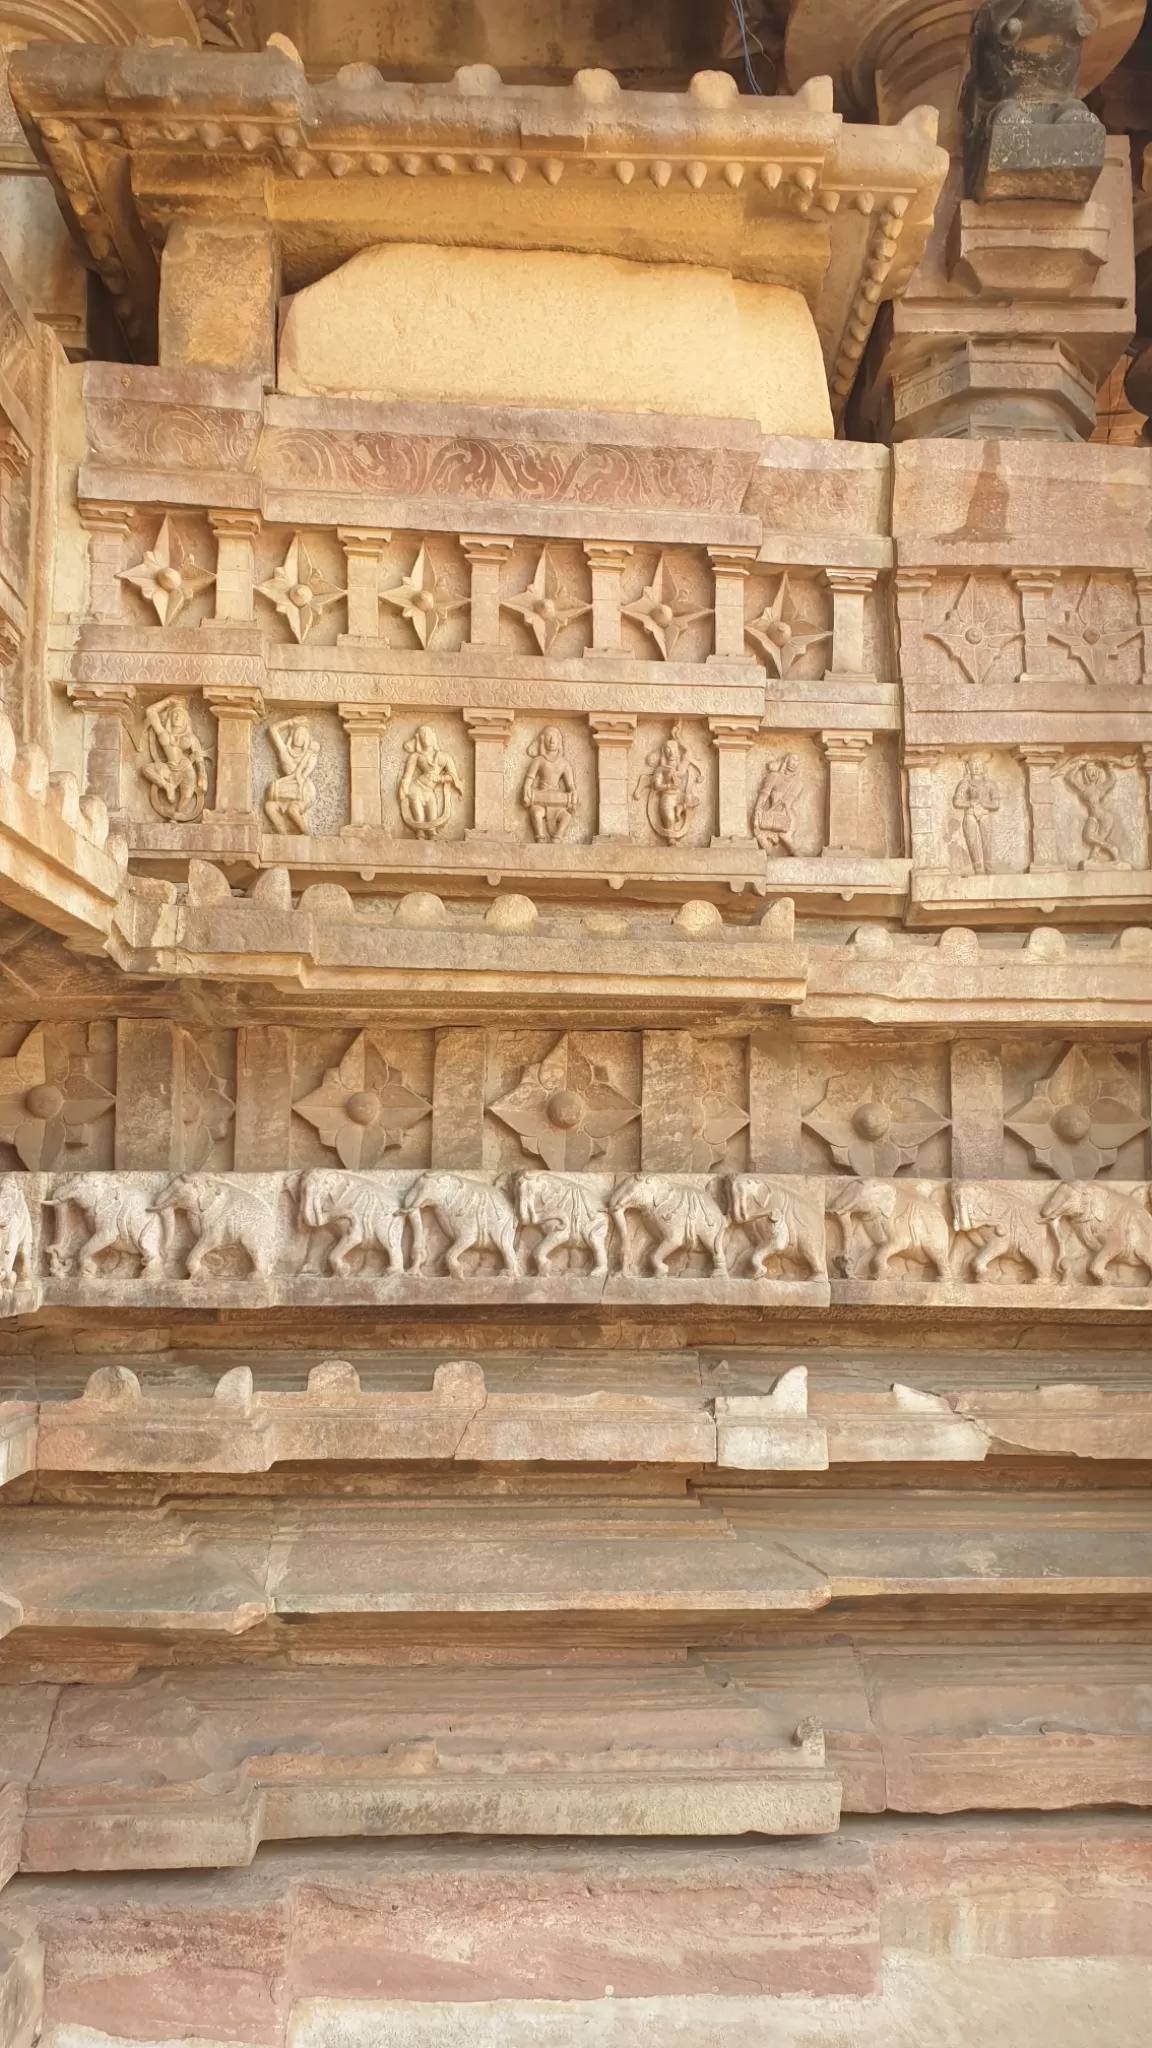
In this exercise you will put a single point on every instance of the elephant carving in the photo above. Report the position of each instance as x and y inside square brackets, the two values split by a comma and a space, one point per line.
[678, 1212]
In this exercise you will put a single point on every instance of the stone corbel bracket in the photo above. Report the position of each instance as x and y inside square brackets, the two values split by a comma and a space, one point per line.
[56, 865]
[775, 189]
[424, 956]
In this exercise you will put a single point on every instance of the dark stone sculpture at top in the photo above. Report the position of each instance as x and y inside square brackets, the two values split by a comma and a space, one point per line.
[1027, 135]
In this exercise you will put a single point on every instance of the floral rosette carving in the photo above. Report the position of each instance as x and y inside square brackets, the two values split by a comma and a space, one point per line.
[565, 1109]
[362, 1108]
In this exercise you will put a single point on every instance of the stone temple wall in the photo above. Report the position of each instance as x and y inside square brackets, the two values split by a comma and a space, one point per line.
[575, 1029]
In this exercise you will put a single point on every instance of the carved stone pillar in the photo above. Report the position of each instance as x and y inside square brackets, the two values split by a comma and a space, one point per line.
[666, 1103]
[458, 1100]
[774, 1132]
[489, 732]
[486, 554]
[149, 1096]
[977, 1104]
[911, 587]
[365, 725]
[919, 766]
[844, 753]
[1035, 587]
[262, 1133]
[732, 739]
[612, 732]
[850, 589]
[363, 552]
[236, 707]
[1143, 583]
[111, 707]
[107, 527]
[607, 560]
[236, 534]
[731, 568]
[1040, 761]
[1146, 758]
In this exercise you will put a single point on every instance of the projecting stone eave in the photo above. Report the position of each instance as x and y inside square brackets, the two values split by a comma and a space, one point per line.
[778, 190]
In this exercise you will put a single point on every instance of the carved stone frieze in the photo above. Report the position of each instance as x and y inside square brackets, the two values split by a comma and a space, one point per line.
[326, 1236]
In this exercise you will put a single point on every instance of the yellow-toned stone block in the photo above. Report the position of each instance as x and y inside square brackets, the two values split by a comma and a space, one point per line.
[218, 291]
[540, 328]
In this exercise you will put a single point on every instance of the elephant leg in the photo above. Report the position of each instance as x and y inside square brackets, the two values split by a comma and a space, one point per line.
[152, 1244]
[1098, 1267]
[506, 1242]
[466, 1242]
[672, 1243]
[598, 1245]
[551, 1241]
[390, 1238]
[99, 1241]
[719, 1259]
[351, 1235]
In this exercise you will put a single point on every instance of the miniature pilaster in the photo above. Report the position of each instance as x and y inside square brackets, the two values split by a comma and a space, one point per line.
[262, 1133]
[458, 1100]
[236, 534]
[1146, 758]
[363, 552]
[731, 568]
[774, 1131]
[850, 591]
[489, 732]
[613, 733]
[844, 753]
[911, 587]
[732, 739]
[920, 764]
[111, 707]
[365, 725]
[977, 1091]
[1040, 761]
[237, 707]
[149, 1096]
[607, 561]
[107, 527]
[1143, 583]
[666, 1112]
[1035, 587]
[486, 554]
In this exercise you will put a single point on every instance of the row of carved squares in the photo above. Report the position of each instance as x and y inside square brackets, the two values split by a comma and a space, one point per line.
[575, 1101]
[300, 584]
[974, 629]
[979, 818]
[786, 779]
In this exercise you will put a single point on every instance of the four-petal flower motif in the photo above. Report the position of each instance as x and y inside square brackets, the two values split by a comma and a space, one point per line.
[1086, 637]
[547, 606]
[664, 610]
[298, 591]
[168, 576]
[422, 599]
[362, 1107]
[715, 1121]
[1077, 1120]
[966, 631]
[782, 637]
[873, 1137]
[565, 1109]
[44, 1105]
[208, 1107]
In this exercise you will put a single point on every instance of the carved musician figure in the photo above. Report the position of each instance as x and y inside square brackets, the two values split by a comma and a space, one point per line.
[774, 813]
[672, 783]
[173, 764]
[429, 785]
[549, 792]
[292, 796]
